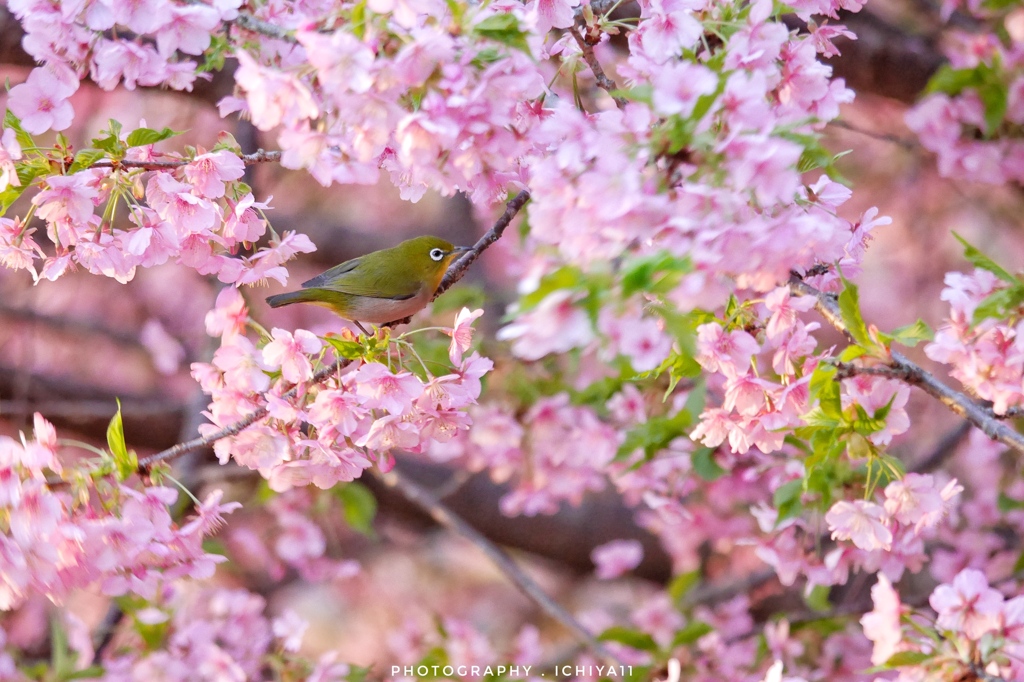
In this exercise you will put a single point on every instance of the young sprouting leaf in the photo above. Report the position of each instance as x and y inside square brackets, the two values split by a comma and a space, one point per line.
[693, 631]
[912, 334]
[849, 308]
[503, 28]
[125, 462]
[980, 260]
[904, 658]
[631, 638]
[704, 464]
[682, 584]
[358, 505]
[953, 81]
[85, 158]
[143, 136]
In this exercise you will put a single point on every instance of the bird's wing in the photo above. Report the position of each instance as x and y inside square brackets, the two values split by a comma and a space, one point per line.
[324, 278]
[351, 277]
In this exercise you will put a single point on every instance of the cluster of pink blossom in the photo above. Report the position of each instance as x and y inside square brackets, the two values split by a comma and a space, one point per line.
[125, 541]
[197, 215]
[757, 411]
[218, 634]
[984, 355]
[972, 120]
[292, 541]
[886, 536]
[148, 47]
[556, 452]
[967, 610]
[357, 416]
[440, 100]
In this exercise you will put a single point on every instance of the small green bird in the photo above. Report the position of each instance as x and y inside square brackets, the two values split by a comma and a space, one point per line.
[382, 286]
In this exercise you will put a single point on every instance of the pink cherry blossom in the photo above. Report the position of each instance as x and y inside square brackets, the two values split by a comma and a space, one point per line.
[555, 325]
[381, 388]
[41, 101]
[862, 522]
[209, 172]
[290, 352]
[616, 558]
[462, 334]
[552, 13]
[968, 606]
[882, 624]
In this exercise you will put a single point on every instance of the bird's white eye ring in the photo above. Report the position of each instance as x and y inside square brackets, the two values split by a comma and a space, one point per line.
[436, 254]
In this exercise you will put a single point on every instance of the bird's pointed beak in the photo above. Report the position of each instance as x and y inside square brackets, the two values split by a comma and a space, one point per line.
[462, 249]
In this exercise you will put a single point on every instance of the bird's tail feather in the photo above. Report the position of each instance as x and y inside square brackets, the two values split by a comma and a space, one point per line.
[301, 296]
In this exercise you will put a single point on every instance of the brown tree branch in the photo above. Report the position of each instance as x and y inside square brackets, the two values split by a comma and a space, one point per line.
[909, 372]
[441, 514]
[603, 81]
[259, 156]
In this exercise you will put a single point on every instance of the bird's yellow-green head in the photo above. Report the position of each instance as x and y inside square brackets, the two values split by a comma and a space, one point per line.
[425, 258]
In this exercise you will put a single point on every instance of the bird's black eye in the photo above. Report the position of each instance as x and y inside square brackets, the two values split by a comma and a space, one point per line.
[436, 254]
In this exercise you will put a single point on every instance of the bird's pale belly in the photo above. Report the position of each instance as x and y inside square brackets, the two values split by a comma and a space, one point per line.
[381, 310]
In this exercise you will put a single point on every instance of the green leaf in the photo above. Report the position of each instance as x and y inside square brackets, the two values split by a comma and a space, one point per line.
[85, 158]
[1007, 503]
[504, 28]
[693, 631]
[1018, 566]
[657, 273]
[825, 389]
[350, 350]
[904, 658]
[849, 308]
[704, 464]
[655, 434]
[913, 334]
[817, 600]
[682, 584]
[125, 462]
[993, 98]
[980, 260]
[14, 123]
[111, 143]
[631, 638]
[1000, 303]
[27, 171]
[953, 81]
[143, 136]
[566, 277]
[786, 499]
[359, 506]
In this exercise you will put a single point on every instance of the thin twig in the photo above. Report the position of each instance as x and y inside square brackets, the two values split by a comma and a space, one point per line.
[251, 23]
[454, 274]
[423, 499]
[206, 441]
[914, 374]
[946, 447]
[105, 632]
[709, 595]
[259, 156]
[603, 81]
[909, 145]
[459, 267]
